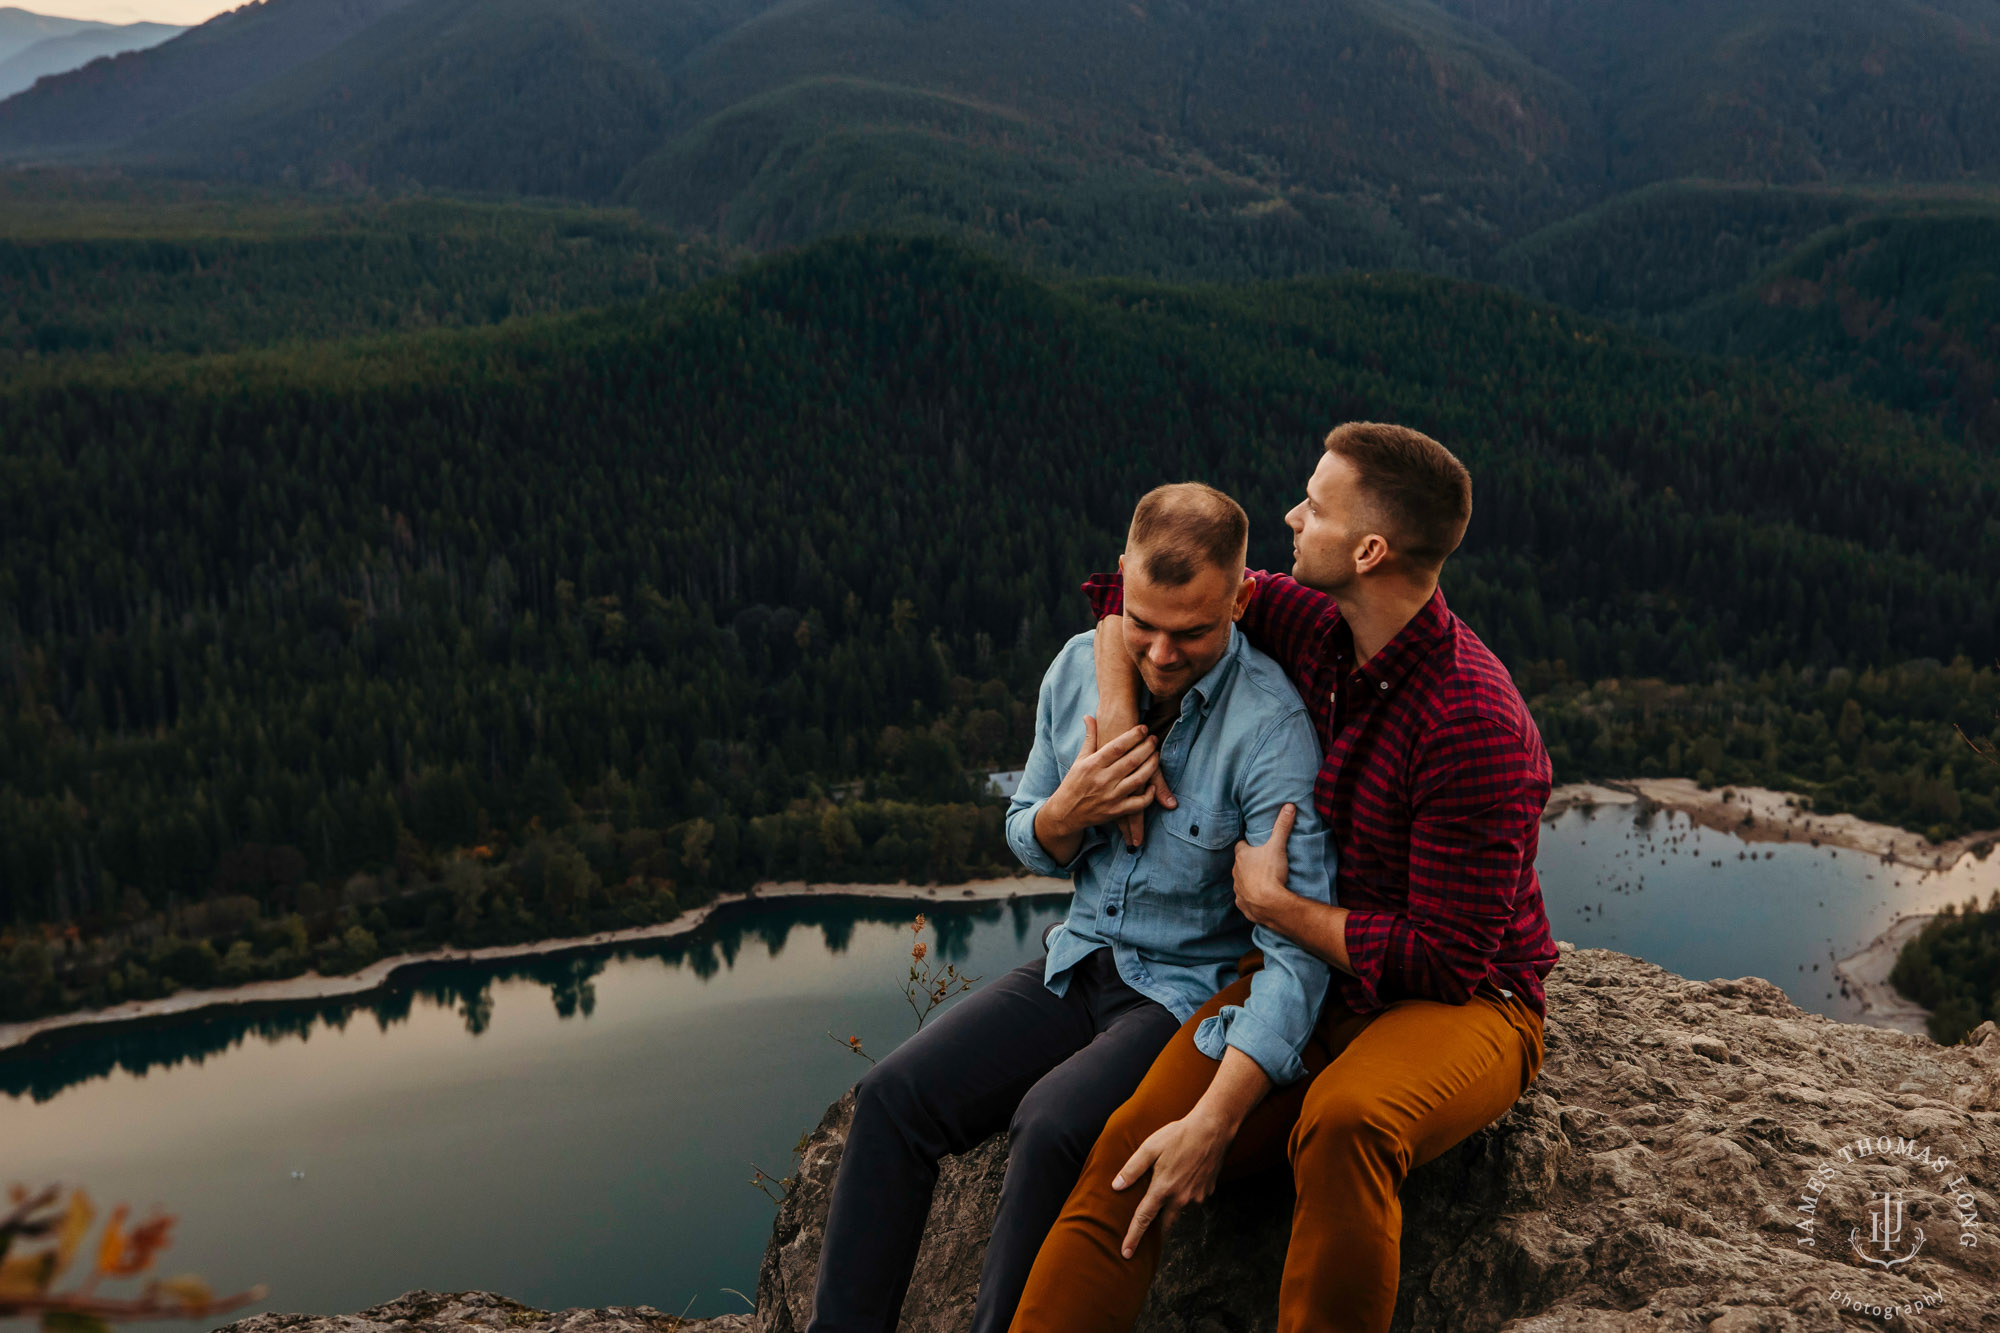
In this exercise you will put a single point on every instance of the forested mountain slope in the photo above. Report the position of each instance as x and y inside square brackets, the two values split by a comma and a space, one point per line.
[537, 624]
[1773, 90]
[109, 103]
[1286, 135]
[1903, 308]
[1387, 115]
[1894, 295]
[104, 269]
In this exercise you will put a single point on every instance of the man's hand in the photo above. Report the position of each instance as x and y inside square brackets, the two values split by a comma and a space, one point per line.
[1261, 891]
[1118, 709]
[1185, 1158]
[1105, 783]
[1263, 894]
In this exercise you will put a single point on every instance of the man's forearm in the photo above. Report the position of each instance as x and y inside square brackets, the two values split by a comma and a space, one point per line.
[1117, 678]
[1238, 1085]
[1319, 928]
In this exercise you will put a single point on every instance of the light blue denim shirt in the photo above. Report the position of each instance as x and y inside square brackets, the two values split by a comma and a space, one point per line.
[1241, 748]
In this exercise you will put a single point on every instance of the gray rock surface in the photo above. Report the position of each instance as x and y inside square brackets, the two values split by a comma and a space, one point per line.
[1650, 1179]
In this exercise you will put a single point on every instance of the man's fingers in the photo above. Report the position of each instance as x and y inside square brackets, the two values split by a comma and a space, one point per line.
[1139, 779]
[1137, 1165]
[1133, 826]
[1131, 760]
[1089, 737]
[1163, 794]
[1133, 807]
[1142, 1219]
[1117, 747]
[1281, 828]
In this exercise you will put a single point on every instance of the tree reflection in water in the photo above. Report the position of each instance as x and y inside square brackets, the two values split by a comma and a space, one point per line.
[63, 1059]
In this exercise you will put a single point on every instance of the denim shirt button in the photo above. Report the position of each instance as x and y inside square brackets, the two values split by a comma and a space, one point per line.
[1111, 909]
[1194, 830]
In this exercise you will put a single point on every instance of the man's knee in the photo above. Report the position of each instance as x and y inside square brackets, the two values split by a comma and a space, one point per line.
[892, 1091]
[1048, 1131]
[1339, 1122]
[1129, 1126]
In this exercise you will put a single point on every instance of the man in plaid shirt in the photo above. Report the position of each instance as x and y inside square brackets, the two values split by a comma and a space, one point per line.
[1433, 787]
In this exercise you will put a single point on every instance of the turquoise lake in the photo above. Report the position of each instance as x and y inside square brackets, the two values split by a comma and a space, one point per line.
[579, 1130]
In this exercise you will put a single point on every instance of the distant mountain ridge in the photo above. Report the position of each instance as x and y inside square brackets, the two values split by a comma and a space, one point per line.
[1636, 159]
[20, 67]
[105, 105]
[1435, 129]
[21, 28]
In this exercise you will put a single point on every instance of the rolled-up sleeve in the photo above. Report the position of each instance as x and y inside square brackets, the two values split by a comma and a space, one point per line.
[1478, 794]
[1273, 1023]
[1039, 782]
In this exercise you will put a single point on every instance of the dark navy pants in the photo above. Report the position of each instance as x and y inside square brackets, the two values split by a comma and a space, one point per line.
[1049, 1070]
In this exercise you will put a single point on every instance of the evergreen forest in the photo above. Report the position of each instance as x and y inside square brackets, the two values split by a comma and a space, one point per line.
[539, 619]
[1952, 968]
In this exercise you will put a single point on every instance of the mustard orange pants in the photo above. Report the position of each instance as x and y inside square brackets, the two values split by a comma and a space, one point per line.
[1383, 1093]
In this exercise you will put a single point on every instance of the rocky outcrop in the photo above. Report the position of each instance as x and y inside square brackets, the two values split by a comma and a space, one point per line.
[1651, 1178]
[1654, 1177]
[484, 1312]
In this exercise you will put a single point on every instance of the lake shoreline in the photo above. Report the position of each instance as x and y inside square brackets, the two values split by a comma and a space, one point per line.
[1866, 973]
[313, 986]
[1772, 816]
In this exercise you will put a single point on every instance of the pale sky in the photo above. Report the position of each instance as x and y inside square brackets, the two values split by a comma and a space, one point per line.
[185, 12]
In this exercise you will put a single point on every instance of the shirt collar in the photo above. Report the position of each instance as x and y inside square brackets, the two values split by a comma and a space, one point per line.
[1411, 643]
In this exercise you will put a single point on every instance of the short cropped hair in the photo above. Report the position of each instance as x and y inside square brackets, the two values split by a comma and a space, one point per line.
[1179, 529]
[1424, 492]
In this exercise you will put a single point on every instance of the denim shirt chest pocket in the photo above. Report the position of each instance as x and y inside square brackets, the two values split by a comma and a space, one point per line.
[1199, 848]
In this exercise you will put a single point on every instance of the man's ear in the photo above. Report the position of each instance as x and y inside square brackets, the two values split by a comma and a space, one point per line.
[1244, 592]
[1121, 564]
[1373, 554]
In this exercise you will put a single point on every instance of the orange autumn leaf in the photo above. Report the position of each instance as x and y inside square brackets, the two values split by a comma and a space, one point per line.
[111, 1246]
[75, 1226]
[122, 1253]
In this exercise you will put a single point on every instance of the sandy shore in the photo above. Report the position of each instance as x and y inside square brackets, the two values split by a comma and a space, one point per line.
[1867, 974]
[1758, 814]
[313, 986]
[1582, 796]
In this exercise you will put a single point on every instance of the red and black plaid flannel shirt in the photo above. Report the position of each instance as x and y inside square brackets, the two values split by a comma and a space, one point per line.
[1433, 785]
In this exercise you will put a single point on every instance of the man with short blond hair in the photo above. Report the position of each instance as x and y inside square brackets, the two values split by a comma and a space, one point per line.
[1049, 1050]
[1432, 787]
